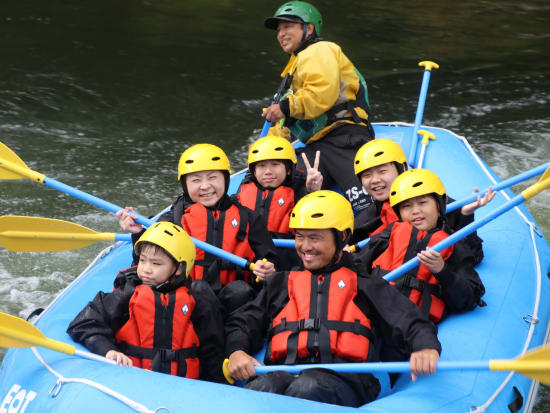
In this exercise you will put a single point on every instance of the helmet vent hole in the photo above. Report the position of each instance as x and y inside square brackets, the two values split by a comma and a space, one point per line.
[189, 161]
[393, 193]
[169, 233]
[416, 184]
[278, 148]
[379, 153]
[216, 158]
[318, 215]
[255, 151]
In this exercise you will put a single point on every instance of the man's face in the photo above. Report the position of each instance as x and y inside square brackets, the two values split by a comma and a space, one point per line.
[290, 34]
[315, 247]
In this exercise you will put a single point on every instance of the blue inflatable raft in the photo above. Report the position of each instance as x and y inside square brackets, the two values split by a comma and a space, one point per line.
[514, 271]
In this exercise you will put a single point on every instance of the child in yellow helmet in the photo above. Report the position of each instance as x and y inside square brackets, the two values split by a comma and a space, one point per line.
[207, 213]
[444, 282]
[272, 186]
[150, 296]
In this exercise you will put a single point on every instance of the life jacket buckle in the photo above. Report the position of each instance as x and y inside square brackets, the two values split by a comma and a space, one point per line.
[309, 324]
[167, 355]
[413, 282]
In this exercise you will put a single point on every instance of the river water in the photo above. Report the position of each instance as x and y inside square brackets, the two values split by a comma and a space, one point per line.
[105, 95]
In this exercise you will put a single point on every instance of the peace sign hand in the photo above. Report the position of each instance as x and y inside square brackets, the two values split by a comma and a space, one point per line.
[314, 178]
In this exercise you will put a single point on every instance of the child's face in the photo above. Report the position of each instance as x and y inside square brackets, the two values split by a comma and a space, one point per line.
[270, 173]
[154, 266]
[205, 187]
[421, 212]
[378, 179]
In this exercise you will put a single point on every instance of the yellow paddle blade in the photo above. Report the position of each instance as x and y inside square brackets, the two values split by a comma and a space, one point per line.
[542, 184]
[16, 332]
[13, 167]
[33, 234]
[534, 364]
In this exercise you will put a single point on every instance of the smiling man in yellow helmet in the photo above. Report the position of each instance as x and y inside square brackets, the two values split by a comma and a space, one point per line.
[326, 104]
[325, 312]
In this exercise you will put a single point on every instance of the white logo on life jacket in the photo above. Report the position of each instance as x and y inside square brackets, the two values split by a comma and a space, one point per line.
[281, 201]
[185, 309]
[234, 223]
[16, 400]
[341, 284]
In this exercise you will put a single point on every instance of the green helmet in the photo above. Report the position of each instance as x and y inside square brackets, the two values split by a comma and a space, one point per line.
[296, 11]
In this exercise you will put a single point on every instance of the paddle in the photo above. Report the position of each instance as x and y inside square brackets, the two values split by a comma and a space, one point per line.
[285, 84]
[426, 136]
[472, 197]
[12, 167]
[534, 364]
[33, 234]
[420, 107]
[531, 191]
[16, 332]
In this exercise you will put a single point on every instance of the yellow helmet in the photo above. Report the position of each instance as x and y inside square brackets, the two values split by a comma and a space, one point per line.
[322, 210]
[173, 240]
[417, 182]
[377, 152]
[203, 157]
[271, 147]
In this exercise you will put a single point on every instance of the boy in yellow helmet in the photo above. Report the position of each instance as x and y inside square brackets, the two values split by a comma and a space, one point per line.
[149, 297]
[327, 104]
[325, 313]
[207, 213]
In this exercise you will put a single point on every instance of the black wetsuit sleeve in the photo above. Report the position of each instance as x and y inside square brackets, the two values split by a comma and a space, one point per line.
[456, 221]
[96, 325]
[377, 245]
[246, 328]
[460, 283]
[398, 320]
[259, 238]
[366, 222]
[208, 324]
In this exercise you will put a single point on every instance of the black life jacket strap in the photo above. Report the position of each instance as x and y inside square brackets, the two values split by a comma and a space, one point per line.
[161, 357]
[263, 204]
[323, 327]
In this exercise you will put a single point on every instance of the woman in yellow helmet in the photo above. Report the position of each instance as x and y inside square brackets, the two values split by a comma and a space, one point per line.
[324, 312]
[207, 213]
[149, 297]
[326, 105]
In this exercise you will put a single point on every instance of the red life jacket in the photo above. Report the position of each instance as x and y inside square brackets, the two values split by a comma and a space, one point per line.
[387, 216]
[274, 205]
[419, 284]
[159, 335]
[320, 320]
[227, 230]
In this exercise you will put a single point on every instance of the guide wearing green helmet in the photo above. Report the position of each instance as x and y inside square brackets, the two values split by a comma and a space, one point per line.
[298, 12]
[326, 101]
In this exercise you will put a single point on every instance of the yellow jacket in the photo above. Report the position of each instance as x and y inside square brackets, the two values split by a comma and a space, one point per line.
[322, 77]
